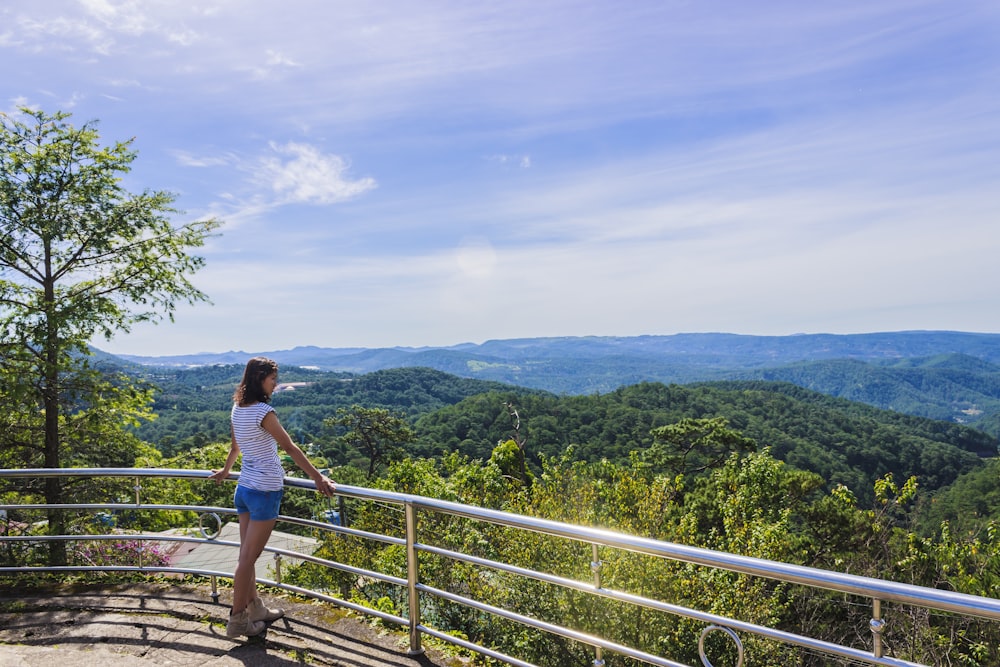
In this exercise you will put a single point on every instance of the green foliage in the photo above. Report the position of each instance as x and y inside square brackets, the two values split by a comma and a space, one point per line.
[192, 405]
[843, 442]
[508, 458]
[85, 256]
[950, 387]
[79, 257]
[967, 505]
[692, 446]
[375, 432]
[751, 504]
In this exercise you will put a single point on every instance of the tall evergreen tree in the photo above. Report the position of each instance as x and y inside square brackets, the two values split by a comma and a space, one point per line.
[80, 256]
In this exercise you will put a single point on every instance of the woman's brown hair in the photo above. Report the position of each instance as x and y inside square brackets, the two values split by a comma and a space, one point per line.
[251, 387]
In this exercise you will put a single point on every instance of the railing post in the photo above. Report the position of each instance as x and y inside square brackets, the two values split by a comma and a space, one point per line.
[137, 487]
[595, 567]
[412, 575]
[877, 625]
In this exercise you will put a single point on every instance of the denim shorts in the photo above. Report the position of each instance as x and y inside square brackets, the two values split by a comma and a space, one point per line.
[262, 505]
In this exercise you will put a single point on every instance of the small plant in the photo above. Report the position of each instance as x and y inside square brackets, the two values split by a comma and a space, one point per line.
[122, 552]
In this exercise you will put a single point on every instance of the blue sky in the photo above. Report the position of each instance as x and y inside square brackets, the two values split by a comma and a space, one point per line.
[437, 172]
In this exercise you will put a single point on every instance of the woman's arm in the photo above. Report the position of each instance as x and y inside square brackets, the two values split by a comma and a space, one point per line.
[234, 451]
[271, 424]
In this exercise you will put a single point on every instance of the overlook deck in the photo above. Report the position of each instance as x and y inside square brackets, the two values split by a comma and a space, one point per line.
[180, 625]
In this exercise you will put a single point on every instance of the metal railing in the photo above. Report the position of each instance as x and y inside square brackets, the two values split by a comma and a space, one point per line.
[877, 591]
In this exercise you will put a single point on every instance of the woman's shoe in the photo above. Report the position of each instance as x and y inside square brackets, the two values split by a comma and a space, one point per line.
[258, 612]
[241, 624]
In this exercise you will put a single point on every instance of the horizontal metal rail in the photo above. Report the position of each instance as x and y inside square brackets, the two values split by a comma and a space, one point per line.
[122, 507]
[639, 601]
[797, 574]
[877, 590]
[357, 571]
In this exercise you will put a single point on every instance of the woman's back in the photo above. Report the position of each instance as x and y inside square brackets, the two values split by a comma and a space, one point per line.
[261, 467]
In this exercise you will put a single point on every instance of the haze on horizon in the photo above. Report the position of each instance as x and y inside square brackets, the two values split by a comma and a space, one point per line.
[401, 174]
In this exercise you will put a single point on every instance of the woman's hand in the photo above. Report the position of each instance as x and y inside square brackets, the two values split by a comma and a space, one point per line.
[219, 475]
[325, 486]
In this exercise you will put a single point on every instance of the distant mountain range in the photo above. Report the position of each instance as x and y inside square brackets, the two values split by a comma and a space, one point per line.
[579, 365]
[939, 374]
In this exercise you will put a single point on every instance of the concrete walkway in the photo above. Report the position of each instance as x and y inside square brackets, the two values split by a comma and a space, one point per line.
[179, 625]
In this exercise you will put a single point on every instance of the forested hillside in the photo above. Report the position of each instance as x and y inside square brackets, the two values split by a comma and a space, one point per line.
[843, 441]
[951, 387]
[846, 443]
[192, 405]
[945, 375]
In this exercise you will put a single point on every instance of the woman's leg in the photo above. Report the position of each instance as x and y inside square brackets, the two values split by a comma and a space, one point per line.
[244, 525]
[253, 538]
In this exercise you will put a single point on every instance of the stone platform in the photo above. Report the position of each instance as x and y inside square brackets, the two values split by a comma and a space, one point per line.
[172, 625]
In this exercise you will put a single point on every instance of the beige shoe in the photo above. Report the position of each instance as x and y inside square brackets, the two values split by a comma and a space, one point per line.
[240, 624]
[258, 612]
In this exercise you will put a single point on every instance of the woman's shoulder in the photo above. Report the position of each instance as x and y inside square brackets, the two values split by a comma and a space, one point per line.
[258, 407]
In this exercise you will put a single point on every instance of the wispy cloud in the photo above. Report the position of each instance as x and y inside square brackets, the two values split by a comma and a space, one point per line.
[301, 174]
[126, 17]
[186, 159]
[287, 174]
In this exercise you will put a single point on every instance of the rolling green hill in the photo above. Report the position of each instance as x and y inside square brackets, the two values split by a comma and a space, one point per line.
[950, 387]
[841, 438]
[192, 405]
[953, 376]
[844, 442]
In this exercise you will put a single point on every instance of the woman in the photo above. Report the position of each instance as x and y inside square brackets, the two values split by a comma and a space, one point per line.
[257, 434]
